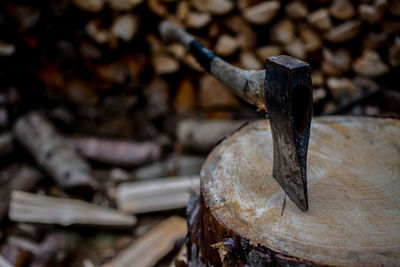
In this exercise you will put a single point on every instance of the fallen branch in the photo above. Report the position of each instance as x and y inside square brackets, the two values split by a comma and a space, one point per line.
[202, 135]
[26, 207]
[156, 195]
[51, 152]
[115, 152]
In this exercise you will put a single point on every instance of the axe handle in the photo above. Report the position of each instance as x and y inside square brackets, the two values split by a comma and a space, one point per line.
[246, 84]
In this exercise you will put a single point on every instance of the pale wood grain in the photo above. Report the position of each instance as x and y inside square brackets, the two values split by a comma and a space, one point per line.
[27, 207]
[151, 247]
[353, 187]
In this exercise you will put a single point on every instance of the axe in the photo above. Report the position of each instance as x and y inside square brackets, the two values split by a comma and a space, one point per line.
[284, 90]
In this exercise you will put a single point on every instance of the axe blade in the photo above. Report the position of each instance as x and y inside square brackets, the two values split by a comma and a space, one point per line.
[289, 99]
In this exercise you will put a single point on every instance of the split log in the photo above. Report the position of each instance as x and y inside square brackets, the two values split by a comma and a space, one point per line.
[173, 166]
[148, 249]
[22, 177]
[204, 135]
[6, 49]
[26, 207]
[217, 7]
[116, 152]
[197, 20]
[226, 45]
[296, 9]
[335, 62]
[370, 64]
[248, 60]
[157, 194]
[214, 94]
[283, 32]
[344, 32]
[342, 9]
[261, 13]
[51, 152]
[125, 27]
[320, 19]
[244, 217]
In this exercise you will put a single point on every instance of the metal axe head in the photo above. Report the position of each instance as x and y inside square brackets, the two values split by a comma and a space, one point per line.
[289, 99]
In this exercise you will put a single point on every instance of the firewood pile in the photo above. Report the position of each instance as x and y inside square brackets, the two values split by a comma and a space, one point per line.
[104, 126]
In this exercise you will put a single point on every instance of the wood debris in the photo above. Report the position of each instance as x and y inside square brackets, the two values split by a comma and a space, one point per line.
[21, 177]
[370, 64]
[27, 207]
[204, 135]
[261, 13]
[157, 194]
[51, 152]
[133, 108]
[173, 166]
[149, 248]
[125, 153]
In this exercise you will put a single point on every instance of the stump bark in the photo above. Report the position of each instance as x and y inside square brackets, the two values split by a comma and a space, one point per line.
[243, 217]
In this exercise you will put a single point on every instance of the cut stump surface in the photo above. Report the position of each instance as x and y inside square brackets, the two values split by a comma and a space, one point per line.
[354, 198]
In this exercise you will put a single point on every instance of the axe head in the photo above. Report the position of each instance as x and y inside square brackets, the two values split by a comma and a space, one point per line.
[289, 101]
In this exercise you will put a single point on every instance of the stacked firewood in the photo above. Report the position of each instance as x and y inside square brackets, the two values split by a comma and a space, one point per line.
[107, 126]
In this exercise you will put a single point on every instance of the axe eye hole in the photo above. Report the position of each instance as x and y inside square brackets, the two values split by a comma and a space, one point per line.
[300, 107]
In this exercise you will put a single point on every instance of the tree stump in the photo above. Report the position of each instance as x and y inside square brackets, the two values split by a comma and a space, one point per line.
[243, 217]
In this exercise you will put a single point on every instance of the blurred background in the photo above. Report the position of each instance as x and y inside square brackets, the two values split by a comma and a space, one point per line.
[104, 127]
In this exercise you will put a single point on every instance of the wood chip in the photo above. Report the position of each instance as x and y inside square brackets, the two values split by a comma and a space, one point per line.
[344, 32]
[125, 27]
[320, 19]
[261, 13]
[370, 64]
[51, 151]
[147, 250]
[342, 9]
[27, 207]
[226, 45]
[156, 194]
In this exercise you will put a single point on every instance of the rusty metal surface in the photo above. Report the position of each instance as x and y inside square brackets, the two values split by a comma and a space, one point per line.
[288, 95]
